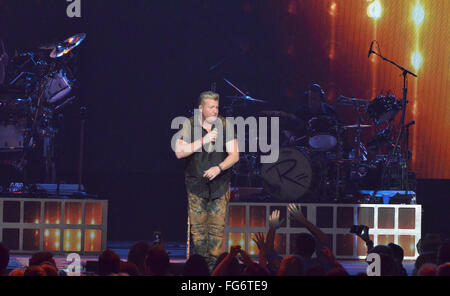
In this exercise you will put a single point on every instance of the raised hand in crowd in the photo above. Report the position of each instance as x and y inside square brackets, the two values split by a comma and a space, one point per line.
[296, 213]
[259, 240]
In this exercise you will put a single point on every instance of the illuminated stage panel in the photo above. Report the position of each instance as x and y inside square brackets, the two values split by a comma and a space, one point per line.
[366, 216]
[236, 216]
[93, 213]
[11, 211]
[344, 217]
[42, 218]
[52, 239]
[361, 248]
[52, 212]
[237, 238]
[92, 240]
[72, 240]
[72, 213]
[386, 218]
[344, 244]
[324, 217]
[31, 239]
[385, 239]
[257, 216]
[406, 219]
[408, 243]
[32, 212]
[11, 238]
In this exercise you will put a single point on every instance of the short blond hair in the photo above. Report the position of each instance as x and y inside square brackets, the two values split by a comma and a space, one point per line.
[207, 95]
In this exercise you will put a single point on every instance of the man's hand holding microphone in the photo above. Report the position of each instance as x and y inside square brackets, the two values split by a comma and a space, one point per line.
[208, 141]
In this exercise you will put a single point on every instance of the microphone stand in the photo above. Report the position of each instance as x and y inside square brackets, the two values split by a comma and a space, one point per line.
[401, 134]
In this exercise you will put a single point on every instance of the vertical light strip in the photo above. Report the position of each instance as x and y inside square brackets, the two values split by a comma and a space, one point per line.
[332, 11]
[374, 11]
[418, 16]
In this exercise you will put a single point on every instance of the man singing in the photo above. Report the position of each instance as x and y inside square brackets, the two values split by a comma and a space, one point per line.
[210, 148]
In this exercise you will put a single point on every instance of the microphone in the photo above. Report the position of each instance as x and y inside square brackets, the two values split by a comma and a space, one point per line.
[210, 146]
[370, 49]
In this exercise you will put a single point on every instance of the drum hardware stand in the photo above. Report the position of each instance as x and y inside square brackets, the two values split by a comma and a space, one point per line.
[402, 134]
[83, 111]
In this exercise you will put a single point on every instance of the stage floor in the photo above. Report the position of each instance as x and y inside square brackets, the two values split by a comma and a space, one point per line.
[177, 253]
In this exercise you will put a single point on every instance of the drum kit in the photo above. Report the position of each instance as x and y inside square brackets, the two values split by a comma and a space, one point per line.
[30, 105]
[331, 162]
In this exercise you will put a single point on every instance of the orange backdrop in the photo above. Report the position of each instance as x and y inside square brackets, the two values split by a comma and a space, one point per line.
[331, 39]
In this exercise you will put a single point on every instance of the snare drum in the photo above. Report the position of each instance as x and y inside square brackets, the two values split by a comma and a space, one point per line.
[322, 133]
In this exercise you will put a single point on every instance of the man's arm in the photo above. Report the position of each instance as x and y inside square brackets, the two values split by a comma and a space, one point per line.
[184, 149]
[233, 155]
[228, 162]
[296, 213]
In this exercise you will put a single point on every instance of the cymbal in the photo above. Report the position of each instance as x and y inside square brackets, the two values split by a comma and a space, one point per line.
[246, 98]
[356, 126]
[67, 45]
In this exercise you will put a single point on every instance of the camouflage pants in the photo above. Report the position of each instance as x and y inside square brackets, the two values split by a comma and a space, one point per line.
[207, 219]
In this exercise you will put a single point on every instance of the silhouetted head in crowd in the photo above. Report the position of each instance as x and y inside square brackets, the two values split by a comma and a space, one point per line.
[337, 271]
[17, 272]
[137, 255]
[4, 258]
[443, 270]
[108, 262]
[382, 249]
[427, 269]
[49, 269]
[196, 265]
[429, 244]
[424, 258]
[156, 262]
[398, 254]
[305, 245]
[397, 251]
[443, 255]
[316, 270]
[291, 266]
[35, 270]
[233, 268]
[41, 257]
[129, 268]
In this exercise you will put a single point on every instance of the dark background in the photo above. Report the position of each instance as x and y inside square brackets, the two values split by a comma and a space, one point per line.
[145, 62]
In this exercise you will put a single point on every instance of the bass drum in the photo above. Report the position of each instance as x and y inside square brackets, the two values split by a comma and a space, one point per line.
[292, 176]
